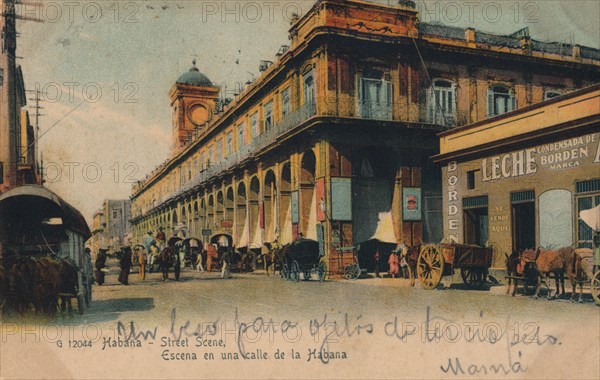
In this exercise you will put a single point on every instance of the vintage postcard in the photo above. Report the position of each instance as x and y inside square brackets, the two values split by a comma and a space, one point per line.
[292, 189]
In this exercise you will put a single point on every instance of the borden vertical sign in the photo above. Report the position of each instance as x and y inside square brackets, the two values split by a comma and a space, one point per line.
[452, 201]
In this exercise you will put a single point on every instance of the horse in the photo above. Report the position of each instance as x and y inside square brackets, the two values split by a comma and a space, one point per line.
[543, 262]
[583, 266]
[515, 271]
[280, 259]
[410, 255]
[166, 258]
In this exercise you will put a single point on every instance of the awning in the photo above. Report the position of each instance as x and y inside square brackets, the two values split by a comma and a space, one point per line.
[591, 217]
[385, 229]
[41, 203]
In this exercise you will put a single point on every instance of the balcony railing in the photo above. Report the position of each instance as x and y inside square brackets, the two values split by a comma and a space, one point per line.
[260, 142]
[395, 112]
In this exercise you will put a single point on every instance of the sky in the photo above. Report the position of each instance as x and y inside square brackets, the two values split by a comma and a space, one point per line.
[104, 69]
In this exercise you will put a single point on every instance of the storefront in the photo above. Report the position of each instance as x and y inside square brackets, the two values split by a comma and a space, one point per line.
[520, 180]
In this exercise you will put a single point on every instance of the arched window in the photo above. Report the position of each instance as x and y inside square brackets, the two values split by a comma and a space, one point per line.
[375, 95]
[309, 87]
[551, 94]
[442, 102]
[501, 99]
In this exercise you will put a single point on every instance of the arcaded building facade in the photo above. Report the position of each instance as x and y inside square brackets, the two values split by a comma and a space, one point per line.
[335, 137]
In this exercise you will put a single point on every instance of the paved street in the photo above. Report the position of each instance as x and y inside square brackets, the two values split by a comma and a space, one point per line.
[540, 330]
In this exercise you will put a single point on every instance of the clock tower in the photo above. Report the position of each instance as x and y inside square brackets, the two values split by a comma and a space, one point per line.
[193, 101]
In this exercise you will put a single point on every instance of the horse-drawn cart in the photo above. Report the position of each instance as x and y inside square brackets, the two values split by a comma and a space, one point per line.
[302, 256]
[436, 261]
[43, 256]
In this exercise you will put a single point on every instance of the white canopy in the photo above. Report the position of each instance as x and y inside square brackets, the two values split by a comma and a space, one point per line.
[243, 242]
[591, 217]
[385, 228]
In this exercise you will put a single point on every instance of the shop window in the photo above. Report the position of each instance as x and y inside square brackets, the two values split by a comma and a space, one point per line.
[375, 96]
[501, 99]
[551, 94]
[475, 216]
[471, 179]
[588, 196]
[442, 103]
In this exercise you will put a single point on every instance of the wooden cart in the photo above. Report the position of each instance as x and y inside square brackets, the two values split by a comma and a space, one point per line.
[436, 261]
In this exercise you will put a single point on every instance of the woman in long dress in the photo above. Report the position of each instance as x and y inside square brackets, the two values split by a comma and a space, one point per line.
[394, 264]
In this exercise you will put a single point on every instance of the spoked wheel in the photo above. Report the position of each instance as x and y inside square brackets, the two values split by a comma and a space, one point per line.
[321, 271]
[473, 277]
[295, 272]
[285, 274]
[352, 272]
[595, 288]
[430, 266]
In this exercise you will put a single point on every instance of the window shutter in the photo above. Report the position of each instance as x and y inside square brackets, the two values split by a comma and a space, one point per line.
[490, 102]
[390, 93]
[513, 102]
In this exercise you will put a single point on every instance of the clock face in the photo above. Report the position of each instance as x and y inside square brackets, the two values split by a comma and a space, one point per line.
[198, 114]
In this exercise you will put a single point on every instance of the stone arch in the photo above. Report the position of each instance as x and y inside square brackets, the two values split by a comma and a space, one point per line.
[307, 196]
[254, 210]
[285, 204]
[210, 211]
[229, 203]
[270, 206]
[241, 222]
[374, 191]
[220, 208]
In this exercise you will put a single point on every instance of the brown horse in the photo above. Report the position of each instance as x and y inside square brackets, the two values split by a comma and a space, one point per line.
[411, 255]
[582, 268]
[543, 262]
[515, 271]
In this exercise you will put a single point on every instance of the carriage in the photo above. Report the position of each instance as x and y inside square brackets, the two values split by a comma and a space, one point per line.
[302, 257]
[438, 260]
[42, 240]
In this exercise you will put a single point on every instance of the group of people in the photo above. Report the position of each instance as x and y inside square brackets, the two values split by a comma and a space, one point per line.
[396, 262]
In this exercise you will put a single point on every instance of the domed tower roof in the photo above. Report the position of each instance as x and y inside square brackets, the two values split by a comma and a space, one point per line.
[194, 77]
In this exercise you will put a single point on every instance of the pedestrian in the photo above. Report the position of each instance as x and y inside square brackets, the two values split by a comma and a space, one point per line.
[394, 262]
[100, 264]
[211, 253]
[225, 262]
[148, 241]
[141, 256]
[153, 257]
[199, 262]
[160, 237]
[125, 263]
[376, 259]
[177, 260]
[165, 260]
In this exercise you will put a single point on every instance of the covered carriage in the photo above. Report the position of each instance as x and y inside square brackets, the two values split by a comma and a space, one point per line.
[302, 257]
[42, 240]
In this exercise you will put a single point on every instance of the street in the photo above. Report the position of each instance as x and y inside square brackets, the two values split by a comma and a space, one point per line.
[205, 320]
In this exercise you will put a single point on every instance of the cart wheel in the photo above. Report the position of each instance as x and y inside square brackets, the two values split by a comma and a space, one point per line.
[295, 272]
[80, 305]
[321, 271]
[352, 272]
[284, 272]
[472, 277]
[595, 287]
[430, 266]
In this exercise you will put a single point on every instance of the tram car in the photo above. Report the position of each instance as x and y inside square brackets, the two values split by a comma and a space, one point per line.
[42, 252]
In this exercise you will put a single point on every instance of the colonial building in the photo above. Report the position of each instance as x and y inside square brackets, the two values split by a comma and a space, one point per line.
[519, 180]
[335, 137]
[111, 225]
[18, 164]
